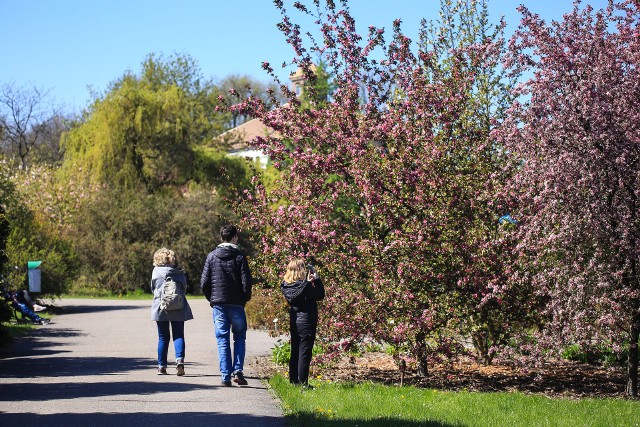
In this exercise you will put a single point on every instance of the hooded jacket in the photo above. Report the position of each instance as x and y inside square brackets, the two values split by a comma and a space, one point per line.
[302, 295]
[226, 278]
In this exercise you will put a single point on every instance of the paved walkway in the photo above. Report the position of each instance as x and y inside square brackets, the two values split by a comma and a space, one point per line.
[94, 365]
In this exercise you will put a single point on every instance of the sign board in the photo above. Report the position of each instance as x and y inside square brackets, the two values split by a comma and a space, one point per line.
[34, 274]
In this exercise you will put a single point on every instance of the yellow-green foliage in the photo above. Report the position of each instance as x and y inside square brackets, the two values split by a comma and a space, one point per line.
[135, 135]
[143, 131]
[29, 237]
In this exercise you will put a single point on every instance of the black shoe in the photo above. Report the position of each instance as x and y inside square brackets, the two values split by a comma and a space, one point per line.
[162, 370]
[238, 378]
[42, 322]
[226, 383]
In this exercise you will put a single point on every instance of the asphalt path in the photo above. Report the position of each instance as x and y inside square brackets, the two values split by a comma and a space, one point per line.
[95, 365]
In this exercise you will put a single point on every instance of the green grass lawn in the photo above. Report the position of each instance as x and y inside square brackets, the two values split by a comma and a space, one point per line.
[138, 294]
[13, 330]
[367, 405]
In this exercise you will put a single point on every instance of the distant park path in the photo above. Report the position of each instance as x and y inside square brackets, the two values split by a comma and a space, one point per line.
[95, 365]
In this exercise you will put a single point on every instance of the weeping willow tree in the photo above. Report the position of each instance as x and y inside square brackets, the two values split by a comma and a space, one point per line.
[144, 130]
[144, 149]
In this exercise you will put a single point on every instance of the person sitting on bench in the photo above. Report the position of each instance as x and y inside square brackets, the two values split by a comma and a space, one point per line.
[24, 297]
[19, 302]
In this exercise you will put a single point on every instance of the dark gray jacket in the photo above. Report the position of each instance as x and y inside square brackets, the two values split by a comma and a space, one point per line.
[226, 278]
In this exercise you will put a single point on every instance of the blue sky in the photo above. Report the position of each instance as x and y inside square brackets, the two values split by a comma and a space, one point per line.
[69, 46]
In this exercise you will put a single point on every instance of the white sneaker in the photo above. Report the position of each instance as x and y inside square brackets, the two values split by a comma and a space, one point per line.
[38, 308]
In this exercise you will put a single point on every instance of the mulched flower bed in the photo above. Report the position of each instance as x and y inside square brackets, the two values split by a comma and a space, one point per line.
[569, 380]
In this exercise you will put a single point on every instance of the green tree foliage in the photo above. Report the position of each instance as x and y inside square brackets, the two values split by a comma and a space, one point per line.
[5, 313]
[143, 130]
[317, 89]
[456, 44]
[6, 191]
[141, 170]
[229, 175]
[48, 150]
[148, 145]
[31, 240]
[118, 232]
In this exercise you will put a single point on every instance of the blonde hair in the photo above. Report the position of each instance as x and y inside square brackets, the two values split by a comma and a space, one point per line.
[164, 256]
[296, 270]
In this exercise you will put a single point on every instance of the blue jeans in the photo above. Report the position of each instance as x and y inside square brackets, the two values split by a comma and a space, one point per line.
[230, 318]
[26, 311]
[164, 338]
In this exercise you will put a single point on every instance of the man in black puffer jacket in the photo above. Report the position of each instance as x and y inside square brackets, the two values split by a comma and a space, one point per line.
[226, 283]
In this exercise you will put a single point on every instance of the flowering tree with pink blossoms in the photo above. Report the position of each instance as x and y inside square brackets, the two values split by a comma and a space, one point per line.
[578, 137]
[388, 188]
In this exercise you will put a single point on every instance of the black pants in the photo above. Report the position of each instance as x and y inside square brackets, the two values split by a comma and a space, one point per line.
[303, 335]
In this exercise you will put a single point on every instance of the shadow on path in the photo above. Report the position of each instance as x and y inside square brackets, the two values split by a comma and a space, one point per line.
[141, 419]
[39, 342]
[86, 309]
[80, 371]
[70, 366]
[48, 392]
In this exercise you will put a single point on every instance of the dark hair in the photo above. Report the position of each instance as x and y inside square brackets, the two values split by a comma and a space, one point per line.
[228, 232]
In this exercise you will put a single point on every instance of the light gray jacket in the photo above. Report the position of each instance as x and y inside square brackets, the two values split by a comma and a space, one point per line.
[157, 280]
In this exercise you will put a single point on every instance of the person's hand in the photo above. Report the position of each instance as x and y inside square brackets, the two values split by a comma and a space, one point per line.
[311, 273]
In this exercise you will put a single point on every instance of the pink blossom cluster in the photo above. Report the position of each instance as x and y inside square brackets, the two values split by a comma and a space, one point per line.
[395, 187]
[576, 136]
[389, 189]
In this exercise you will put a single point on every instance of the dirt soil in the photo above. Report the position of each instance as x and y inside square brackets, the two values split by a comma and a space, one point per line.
[570, 380]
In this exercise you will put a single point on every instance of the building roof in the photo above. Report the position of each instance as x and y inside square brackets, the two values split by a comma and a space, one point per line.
[241, 135]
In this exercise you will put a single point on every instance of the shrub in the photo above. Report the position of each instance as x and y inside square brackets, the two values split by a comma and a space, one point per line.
[281, 352]
[33, 239]
[266, 305]
[117, 234]
[597, 354]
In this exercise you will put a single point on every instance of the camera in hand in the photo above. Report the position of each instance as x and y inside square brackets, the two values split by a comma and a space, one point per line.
[311, 273]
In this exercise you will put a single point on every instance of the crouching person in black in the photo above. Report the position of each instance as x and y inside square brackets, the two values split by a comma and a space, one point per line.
[302, 287]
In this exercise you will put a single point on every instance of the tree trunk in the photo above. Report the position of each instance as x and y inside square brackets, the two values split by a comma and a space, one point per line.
[632, 363]
[423, 367]
[481, 344]
[421, 355]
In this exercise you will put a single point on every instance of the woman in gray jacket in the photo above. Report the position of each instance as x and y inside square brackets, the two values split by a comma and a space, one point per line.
[170, 308]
